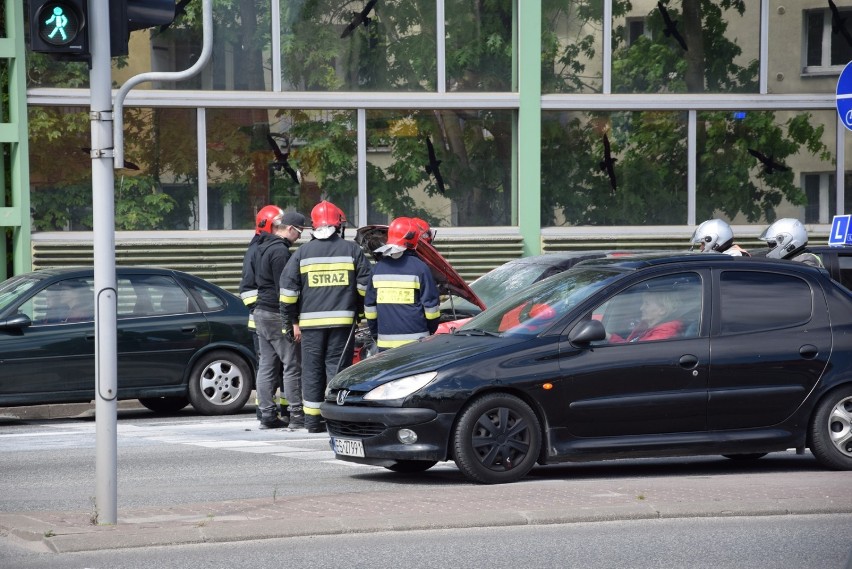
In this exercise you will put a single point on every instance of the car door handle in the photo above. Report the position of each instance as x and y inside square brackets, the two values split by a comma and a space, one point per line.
[808, 351]
[90, 337]
[688, 361]
[189, 329]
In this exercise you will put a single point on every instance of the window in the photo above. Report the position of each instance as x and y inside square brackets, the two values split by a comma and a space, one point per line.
[754, 301]
[64, 302]
[662, 308]
[826, 46]
[635, 30]
[150, 295]
[821, 192]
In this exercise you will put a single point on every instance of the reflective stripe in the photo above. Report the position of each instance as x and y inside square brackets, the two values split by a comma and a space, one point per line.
[371, 313]
[396, 281]
[249, 297]
[320, 322]
[326, 264]
[362, 289]
[396, 340]
[311, 407]
[432, 313]
[288, 296]
[392, 343]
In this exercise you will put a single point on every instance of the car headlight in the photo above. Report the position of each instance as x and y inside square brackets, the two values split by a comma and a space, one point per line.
[399, 388]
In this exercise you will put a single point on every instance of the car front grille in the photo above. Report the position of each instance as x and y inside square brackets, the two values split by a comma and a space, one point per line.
[352, 429]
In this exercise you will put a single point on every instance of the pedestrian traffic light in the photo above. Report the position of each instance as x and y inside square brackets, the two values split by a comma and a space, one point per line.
[126, 16]
[59, 27]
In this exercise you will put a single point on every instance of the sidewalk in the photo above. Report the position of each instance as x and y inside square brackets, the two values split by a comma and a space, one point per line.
[531, 501]
[534, 500]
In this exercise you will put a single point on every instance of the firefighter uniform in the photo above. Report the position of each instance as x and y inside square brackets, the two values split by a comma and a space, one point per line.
[322, 288]
[401, 304]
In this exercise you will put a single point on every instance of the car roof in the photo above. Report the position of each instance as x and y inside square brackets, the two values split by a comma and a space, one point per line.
[636, 262]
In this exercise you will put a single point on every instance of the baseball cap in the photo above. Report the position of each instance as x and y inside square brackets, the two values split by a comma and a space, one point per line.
[293, 218]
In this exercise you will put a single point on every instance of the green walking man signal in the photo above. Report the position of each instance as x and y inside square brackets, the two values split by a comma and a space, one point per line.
[59, 27]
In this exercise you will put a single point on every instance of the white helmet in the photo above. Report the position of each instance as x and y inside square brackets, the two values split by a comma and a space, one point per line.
[715, 234]
[785, 238]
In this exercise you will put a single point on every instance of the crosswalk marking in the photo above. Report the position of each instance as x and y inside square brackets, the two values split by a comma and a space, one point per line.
[226, 433]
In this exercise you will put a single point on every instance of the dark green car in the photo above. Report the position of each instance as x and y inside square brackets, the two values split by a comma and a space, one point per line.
[180, 340]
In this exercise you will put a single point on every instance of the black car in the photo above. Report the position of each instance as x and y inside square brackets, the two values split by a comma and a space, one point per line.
[751, 356]
[180, 340]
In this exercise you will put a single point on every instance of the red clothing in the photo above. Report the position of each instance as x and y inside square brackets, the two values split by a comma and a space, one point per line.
[662, 331]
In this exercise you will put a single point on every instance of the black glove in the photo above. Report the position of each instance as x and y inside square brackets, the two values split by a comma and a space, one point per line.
[287, 326]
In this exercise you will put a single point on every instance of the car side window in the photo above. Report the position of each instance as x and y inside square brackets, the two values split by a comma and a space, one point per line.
[150, 295]
[844, 265]
[63, 302]
[752, 301]
[208, 300]
[662, 308]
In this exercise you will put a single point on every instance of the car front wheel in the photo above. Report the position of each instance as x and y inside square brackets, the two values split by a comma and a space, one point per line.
[497, 439]
[220, 383]
[831, 430]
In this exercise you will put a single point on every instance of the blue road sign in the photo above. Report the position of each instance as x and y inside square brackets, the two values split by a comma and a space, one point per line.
[844, 96]
[840, 231]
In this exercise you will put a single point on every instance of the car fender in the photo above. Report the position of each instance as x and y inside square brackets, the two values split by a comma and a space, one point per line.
[244, 352]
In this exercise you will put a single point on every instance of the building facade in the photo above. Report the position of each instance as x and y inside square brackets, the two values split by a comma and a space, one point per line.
[513, 126]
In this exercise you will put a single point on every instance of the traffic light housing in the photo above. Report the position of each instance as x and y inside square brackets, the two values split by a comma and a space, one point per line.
[60, 27]
[126, 16]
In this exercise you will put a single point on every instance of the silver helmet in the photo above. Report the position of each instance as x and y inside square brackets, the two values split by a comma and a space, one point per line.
[785, 238]
[715, 234]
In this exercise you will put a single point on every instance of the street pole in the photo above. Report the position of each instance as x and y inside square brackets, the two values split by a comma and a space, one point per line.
[103, 190]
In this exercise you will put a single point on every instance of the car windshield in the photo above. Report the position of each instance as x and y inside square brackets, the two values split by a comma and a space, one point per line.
[528, 313]
[12, 289]
[494, 285]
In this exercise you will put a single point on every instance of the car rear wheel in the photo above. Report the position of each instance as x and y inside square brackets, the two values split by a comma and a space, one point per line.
[831, 430]
[497, 439]
[412, 466]
[164, 404]
[220, 383]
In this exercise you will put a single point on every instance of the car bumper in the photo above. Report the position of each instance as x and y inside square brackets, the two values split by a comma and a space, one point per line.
[377, 428]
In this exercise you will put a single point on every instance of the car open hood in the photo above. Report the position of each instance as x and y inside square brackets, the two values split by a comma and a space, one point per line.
[371, 237]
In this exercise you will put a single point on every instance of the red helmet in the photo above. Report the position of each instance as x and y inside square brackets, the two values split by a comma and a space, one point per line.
[266, 217]
[326, 213]
[403, 232]
[427, 234]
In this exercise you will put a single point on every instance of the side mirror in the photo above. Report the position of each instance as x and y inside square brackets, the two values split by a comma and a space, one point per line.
[17, 321]
[586, 332]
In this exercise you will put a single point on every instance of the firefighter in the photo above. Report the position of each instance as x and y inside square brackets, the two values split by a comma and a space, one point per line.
[427, 234]
[280, 356]
[402, 300]
[248, 286]
[322, 288]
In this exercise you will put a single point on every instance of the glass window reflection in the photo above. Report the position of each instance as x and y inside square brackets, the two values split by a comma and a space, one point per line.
[448, 167]
[329, 45]
[625, 168]
[685, 47]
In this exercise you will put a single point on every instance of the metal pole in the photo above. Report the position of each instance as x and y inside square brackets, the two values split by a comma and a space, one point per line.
[103, 178]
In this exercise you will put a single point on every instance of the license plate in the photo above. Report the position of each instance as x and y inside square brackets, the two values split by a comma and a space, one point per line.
[348, 447]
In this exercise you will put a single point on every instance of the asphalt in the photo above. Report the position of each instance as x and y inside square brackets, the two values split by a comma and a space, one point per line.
[532, 501]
